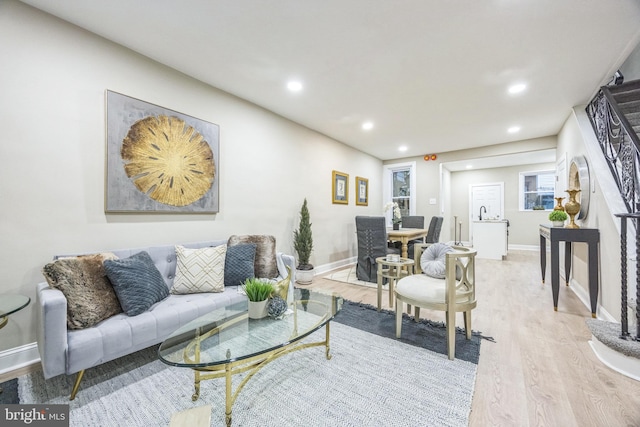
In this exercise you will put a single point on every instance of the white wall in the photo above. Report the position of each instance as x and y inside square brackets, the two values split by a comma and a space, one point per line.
[53, 78]
[432, 183]
[577, 138]
[523, 226]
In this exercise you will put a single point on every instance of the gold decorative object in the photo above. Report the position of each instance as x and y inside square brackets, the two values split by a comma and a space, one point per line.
[559, 206]
[572, 207]
[281, 288]
[168, 160]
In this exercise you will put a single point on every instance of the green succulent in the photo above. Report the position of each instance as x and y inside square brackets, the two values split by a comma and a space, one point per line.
[558, 216]
[257, 290]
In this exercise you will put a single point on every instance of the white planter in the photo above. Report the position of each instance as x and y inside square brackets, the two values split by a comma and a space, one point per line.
[558, 223]
[304, 277]
[258, 309]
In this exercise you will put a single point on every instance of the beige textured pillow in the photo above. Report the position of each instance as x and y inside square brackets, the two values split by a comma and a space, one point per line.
[265, 260]
[199, 270]
[84, 283]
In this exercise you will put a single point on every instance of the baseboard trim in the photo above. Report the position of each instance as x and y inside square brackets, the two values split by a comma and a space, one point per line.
[18, 357]
[583, 296]
[325, 268]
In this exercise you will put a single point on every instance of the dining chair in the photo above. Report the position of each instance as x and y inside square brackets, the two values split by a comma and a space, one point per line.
[448, 285]
[372, 243]
[435, 226]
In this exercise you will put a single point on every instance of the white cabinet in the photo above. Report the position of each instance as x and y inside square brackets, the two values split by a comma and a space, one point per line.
[490, 238]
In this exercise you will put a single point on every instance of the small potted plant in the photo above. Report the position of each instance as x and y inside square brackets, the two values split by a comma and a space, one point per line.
[258, 293]
[558, 218]
[303, 245]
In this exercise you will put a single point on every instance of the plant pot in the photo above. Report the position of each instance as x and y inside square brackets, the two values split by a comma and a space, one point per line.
[558, 223]
[258, 309]
[396, 226]
[304, 277]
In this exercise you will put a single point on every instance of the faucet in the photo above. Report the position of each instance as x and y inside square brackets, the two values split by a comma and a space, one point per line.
[485, 211]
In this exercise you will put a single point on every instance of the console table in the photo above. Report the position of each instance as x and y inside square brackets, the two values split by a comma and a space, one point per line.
[590, 236]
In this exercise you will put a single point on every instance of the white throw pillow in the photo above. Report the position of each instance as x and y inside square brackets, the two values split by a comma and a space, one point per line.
[199, 270]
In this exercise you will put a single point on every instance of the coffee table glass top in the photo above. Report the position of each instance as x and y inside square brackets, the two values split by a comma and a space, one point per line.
[227, 334]
[9, 304]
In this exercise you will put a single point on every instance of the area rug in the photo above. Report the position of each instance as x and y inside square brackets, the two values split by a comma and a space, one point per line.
[370, 381]
[424, 333]
[348, 275]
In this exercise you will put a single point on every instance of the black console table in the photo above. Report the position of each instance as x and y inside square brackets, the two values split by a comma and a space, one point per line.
[590, 236]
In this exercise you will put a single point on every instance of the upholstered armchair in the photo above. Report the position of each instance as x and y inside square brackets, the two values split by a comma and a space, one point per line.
[449, 286]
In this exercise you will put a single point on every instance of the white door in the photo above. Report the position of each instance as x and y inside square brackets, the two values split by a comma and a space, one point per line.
[490, 196]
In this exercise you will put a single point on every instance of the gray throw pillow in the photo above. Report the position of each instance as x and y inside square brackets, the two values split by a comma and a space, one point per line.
[239, 264]
[83, 282]
[137, 282]
[265, 262]
[433, 260]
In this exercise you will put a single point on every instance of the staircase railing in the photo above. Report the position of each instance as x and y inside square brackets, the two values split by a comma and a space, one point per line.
[619, 143]
[621, 148]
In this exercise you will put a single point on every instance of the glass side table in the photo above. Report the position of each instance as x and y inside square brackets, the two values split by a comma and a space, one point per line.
[9, 304]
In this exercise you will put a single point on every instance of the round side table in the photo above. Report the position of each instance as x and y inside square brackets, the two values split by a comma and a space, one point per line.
[9, 304]
[392, 270]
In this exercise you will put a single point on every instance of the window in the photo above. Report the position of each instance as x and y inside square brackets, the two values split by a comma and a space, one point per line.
[400, 185]
[536, 190]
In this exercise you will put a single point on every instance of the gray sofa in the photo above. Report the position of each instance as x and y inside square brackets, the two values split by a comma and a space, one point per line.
[67, 351]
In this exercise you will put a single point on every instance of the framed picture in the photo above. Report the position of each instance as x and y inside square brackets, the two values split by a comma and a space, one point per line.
[159, 160]
[340, 187]
[362, 191]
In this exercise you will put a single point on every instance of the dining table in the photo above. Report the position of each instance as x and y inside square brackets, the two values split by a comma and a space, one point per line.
[404, 235]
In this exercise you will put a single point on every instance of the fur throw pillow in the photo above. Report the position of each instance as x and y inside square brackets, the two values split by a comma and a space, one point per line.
[84, 283]
[265, 260]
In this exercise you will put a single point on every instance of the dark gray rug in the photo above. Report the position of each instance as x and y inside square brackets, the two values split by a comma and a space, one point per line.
[425, 333]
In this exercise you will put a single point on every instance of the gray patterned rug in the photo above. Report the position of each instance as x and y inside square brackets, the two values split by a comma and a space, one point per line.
[370, 381]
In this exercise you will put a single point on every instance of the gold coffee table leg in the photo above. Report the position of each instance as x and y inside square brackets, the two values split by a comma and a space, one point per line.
[328, 349]
[229, 396]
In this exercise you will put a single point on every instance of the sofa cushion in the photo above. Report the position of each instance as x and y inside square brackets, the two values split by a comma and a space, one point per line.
[83, 281]
[199, 270]
[239, 264]
[137, 282]
[265, 262]
[433, 262]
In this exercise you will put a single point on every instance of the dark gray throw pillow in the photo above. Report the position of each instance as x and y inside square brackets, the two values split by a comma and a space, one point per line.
[137, 282]
[238, 265]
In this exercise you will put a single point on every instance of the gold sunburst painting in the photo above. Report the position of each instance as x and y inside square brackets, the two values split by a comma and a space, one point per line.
[159, 160]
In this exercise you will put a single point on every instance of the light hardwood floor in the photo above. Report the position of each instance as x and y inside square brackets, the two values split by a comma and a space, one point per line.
[540, 371]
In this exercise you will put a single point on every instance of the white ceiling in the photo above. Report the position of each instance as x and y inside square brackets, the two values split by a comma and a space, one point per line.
[431, 74]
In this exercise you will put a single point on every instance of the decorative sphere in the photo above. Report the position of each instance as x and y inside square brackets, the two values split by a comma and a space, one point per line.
[276, 307]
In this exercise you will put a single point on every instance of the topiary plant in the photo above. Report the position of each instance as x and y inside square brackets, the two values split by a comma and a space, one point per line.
[558, 215]
[303, 240]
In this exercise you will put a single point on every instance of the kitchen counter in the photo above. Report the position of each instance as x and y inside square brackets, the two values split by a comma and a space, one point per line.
[490, 238]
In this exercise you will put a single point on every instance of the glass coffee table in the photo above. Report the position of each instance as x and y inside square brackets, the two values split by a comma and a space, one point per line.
[226, 342]
[9, 304]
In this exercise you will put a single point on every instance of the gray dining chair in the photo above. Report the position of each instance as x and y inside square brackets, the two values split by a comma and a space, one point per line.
[372, 243]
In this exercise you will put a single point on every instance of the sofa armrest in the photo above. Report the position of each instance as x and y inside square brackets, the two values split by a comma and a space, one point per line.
[51, 315]
[283, 261]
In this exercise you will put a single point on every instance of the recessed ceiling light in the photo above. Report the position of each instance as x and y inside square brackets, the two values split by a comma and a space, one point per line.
[517, 88]
[367, 125]
[514, 129]
[402, 148]
[294, 86]
[469, 166]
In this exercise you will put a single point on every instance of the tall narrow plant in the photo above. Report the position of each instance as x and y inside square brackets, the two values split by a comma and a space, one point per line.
[303, 240]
